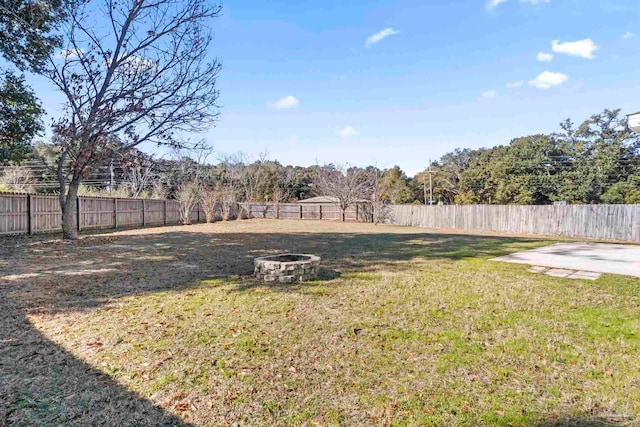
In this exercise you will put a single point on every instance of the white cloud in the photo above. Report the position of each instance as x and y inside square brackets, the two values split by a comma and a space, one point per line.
[514, 85]
[69, 53]
[135, 64]
[285, 103]
[548, 79]
[628, 35]
[544, 57]
[489, 94]
[379, 36]
[582, 48]
[535, 1]
[347, 132]
[492, 4]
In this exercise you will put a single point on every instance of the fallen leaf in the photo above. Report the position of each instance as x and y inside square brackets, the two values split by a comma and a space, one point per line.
[182, 406]
[178, 396]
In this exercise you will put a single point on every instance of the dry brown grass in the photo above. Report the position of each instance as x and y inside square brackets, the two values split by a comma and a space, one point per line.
[165, 326]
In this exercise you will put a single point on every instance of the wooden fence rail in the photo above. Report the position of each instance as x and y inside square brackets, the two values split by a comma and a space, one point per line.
[34, 213]
[610, 222]
[303, 211]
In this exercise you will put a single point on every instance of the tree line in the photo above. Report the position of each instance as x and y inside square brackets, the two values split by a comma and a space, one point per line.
[595, 162]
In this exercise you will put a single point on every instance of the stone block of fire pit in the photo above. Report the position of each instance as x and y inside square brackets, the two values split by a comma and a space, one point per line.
[287, 268]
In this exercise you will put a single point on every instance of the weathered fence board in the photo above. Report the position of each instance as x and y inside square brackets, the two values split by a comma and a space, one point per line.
[32, 213]
[45, 213]
[14, 214]
[615, 222]
[129, 212]
[300, 211]
[173, 212]
[97, 213]
[154, 212]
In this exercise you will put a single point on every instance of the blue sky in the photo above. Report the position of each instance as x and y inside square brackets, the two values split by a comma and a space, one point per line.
[300, 80]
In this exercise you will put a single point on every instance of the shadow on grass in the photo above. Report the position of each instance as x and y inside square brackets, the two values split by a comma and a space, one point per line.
[584, 422]
[42, 383]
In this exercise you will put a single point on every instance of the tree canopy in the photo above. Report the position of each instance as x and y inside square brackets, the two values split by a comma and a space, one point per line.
[597, 162]
[27, 31]
[26, 41]
[20, 118]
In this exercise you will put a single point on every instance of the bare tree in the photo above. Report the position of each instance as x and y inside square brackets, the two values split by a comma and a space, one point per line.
[209, 199]
[252, 175]
[139, 76]
[187, 195]
[377, 207]
[18, 179]
[228, 201]
[232, 185]
[191, 173]
[346, 187]
[280, 195]
[158, 190]
[139, 172]
[282, 192]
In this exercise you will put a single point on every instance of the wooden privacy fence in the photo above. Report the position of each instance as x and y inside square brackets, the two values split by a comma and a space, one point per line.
[303, 211]
[32, 213]
[615, 222]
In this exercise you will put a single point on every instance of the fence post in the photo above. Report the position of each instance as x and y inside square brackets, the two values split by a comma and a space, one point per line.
[300, 211]
[115, 213]
[78, 212]
[165, 211]
[30, 214]
[320, 206]
[144, 219]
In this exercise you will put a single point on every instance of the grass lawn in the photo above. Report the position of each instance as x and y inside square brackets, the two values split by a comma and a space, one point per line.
[165, 326]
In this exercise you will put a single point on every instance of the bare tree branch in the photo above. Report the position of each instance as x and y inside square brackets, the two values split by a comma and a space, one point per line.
[346, 187]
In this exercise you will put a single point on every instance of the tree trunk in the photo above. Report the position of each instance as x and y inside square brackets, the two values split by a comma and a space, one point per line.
[68, 204]
[344, 214]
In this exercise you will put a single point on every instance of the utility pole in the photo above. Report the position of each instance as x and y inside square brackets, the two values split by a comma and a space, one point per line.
[430, 185]
[424, 186]
[112, 178]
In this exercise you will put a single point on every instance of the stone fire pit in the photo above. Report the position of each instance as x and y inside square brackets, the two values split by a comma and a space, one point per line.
[287, 268]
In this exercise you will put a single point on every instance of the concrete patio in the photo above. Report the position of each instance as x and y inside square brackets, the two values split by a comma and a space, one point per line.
[582, 257]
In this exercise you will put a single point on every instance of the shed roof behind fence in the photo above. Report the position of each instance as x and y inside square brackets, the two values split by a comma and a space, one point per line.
[327, 199]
